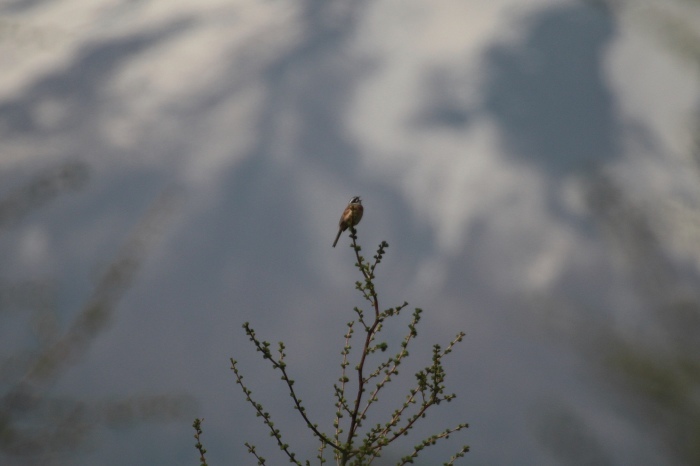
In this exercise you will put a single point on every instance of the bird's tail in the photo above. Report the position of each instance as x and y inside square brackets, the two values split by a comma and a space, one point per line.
[337, 237]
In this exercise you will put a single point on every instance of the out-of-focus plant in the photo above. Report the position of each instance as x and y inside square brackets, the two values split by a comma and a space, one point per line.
[35, 425]
[652, 369]
[660, 362]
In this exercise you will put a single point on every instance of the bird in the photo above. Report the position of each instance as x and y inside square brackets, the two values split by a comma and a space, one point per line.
[351, 216]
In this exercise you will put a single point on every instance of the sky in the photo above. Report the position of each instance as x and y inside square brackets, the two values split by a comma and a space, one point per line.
[171, 170]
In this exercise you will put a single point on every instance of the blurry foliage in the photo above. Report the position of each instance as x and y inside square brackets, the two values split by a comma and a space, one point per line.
[655, 366]
[36, 426]
[43, 188]
[567, 437]
[649, 361]
[673, 22]
[659, 364]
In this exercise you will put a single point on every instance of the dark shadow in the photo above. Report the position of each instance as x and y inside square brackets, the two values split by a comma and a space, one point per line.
[546, 92]
[20, 6]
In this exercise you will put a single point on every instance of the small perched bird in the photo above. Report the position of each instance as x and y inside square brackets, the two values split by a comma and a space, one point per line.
[351, 216]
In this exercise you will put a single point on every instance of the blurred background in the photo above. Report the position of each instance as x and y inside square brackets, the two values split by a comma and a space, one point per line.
[170, 170]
